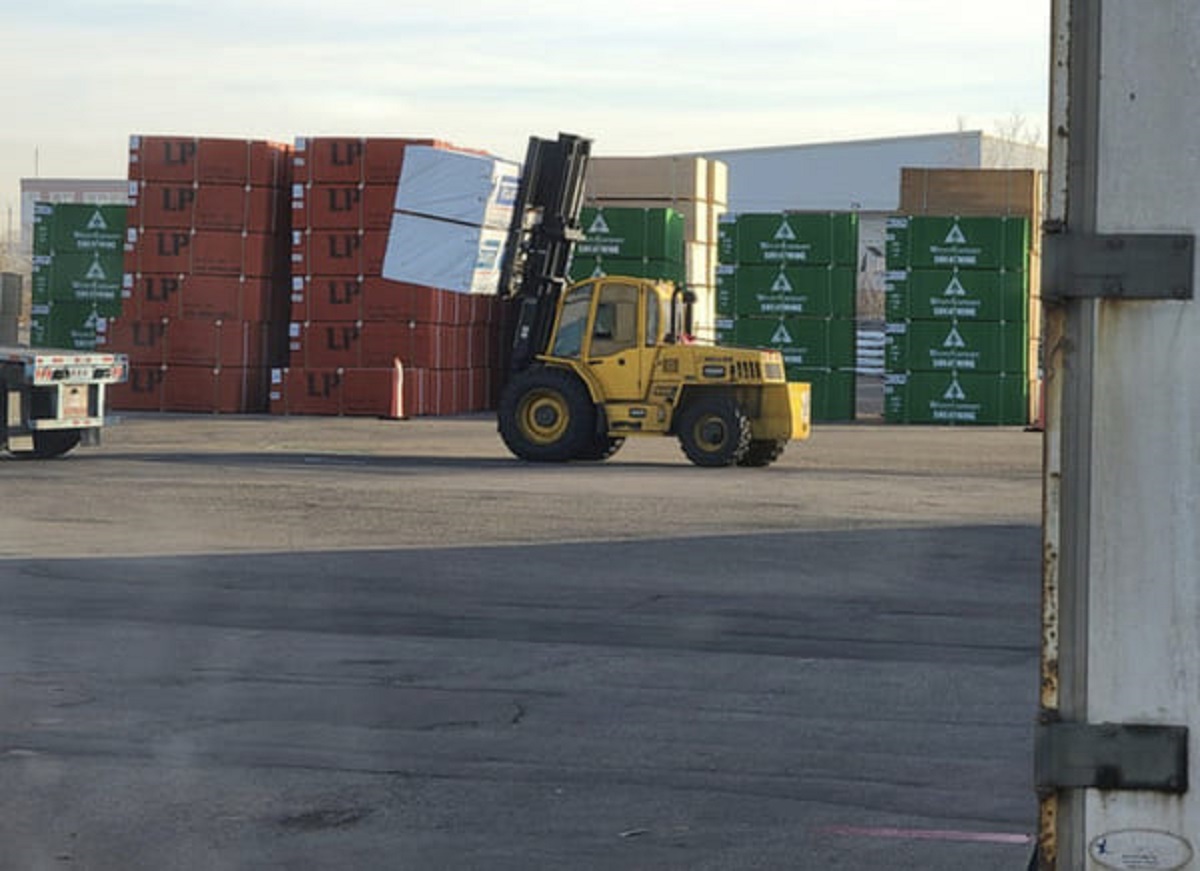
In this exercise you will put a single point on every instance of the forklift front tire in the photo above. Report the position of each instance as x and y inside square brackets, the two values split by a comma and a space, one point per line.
[546, 416]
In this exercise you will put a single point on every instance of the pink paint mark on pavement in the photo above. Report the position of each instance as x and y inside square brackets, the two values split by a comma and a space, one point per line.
[928, 835]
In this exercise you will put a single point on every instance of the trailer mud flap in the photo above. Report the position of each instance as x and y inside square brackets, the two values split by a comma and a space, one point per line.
[17, 435]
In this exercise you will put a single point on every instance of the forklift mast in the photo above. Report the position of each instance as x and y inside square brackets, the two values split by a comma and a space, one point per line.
[541, 238]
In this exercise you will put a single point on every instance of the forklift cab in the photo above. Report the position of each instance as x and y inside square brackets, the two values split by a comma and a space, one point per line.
[614, 326]
[602, 317]
[606, 316]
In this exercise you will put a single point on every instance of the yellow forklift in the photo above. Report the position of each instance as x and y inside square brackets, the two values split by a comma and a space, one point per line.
[593, 362]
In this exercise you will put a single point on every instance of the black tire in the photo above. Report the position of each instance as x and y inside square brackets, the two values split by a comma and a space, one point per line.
[546, 416]
[601, 448]
[50, 443]
[714, 431]
[762, 452]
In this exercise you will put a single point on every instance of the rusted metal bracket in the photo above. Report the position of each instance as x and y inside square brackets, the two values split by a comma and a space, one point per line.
[1114, 756]
[1140, 266]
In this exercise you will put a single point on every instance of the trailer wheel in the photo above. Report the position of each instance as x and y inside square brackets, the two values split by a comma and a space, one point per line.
[714, 431]
[50, 443]
[546, 416]
[763, 452]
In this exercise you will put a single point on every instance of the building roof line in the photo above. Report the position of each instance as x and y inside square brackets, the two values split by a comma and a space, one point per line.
[915, 138]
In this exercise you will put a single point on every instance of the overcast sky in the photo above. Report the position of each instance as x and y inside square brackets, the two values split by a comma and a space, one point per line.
[80, 76]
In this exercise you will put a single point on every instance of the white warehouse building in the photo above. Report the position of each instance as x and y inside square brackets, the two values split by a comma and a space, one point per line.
[860, 176]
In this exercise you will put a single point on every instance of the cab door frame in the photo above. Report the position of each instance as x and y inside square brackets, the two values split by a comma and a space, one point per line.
[613, 348]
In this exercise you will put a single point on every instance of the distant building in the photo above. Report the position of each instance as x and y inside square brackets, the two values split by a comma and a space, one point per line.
[860, 176]
[65, 190]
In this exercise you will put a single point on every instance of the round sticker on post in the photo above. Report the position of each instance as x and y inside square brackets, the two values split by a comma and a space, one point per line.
[1140, 849]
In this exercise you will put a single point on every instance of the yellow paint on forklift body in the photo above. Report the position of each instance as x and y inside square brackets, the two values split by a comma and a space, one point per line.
[616, 333]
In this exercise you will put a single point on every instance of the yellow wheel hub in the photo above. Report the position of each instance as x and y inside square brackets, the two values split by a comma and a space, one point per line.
[710, 432]
[543, 416]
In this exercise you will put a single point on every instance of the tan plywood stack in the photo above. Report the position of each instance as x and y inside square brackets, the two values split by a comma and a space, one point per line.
[973, 193]
[694, 186]
[989, 193]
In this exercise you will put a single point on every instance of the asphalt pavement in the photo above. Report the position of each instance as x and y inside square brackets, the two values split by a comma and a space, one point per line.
[256, 643]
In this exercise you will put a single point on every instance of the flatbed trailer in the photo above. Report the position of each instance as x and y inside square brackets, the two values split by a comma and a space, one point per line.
[52, 400]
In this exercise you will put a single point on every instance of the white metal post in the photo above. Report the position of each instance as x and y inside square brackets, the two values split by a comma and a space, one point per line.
[1121, 627]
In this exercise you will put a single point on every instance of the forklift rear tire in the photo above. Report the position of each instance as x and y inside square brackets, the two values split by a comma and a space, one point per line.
[50, 443]
[546, 416]
[763, 452]
[714, 431]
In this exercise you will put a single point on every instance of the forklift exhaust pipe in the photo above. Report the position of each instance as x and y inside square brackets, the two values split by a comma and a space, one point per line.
[689, 301]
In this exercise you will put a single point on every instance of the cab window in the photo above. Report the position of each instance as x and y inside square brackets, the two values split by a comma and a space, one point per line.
[653, 314]
[615, 326]
[572, 322]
